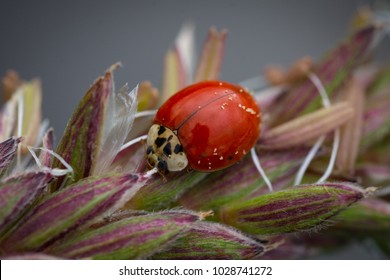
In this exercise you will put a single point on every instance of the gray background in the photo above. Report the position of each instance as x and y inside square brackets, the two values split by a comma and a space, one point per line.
[70, 43]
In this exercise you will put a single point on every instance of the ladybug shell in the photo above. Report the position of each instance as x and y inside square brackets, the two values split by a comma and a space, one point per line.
[216, 122]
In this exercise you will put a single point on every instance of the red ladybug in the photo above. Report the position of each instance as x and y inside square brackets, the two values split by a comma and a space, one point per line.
[207, 126]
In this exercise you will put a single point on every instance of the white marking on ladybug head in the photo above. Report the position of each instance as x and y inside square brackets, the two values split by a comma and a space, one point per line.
[164, 150]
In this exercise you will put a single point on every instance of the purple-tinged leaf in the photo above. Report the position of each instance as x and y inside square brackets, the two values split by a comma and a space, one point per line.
[66, 210]
[367, 215]
[78, 146]
[7, 151]
[332, 70]
[212, 55]
[17, 193]
[304, 129]
[136, 237]
[291, 210]
[205, 240]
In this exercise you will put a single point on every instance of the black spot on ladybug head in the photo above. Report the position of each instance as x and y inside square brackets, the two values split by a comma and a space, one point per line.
[170, 137]
[161, 130]
[178, 149]
[167, 149]
[159, 141]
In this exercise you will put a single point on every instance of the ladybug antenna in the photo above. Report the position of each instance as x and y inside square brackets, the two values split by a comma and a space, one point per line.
[146, 113]
[256, 162]
[133, 141]
[336, 140]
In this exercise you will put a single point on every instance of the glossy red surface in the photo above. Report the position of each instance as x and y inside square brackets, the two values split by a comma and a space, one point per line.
[216, 122]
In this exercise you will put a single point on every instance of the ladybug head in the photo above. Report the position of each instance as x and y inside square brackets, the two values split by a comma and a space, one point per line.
[164, 150]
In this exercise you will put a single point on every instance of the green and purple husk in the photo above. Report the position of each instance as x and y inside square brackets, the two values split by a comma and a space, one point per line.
[291, 210]
[75, 206]
[80, 140]
[206, 240]
[130, 238]
[19, 192]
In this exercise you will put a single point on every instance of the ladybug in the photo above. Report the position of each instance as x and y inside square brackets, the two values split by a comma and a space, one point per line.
[206, 126]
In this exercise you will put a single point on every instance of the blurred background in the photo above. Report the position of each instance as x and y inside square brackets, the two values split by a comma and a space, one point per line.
[68, 44]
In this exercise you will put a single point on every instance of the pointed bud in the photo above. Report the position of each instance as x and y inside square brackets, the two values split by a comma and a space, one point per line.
[82, 136]
[291, 210]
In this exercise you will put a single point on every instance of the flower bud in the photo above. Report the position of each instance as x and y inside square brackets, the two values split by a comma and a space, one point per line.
[291, 210]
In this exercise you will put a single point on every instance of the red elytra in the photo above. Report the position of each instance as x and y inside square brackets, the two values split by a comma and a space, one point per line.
[216, 123]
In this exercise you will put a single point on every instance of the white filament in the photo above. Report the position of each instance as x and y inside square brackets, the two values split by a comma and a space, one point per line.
[53, 171]
[336, 140]
[146, 113]
[133, 141]
[256, 162]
